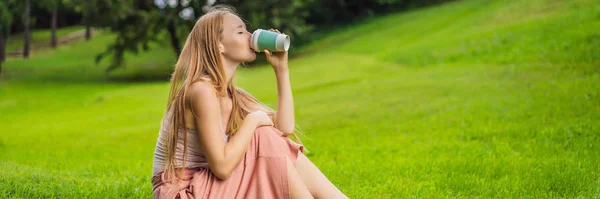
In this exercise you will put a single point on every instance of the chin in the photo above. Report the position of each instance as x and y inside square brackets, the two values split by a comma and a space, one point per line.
[251, 58]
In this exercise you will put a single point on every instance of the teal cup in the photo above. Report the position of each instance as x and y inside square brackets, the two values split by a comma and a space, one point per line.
[266, 40]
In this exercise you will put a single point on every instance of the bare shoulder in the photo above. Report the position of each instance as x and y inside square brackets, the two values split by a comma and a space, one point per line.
[255, 107]
[201, 92]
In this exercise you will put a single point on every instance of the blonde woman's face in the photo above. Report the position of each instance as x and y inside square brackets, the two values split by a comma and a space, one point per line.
[235, 43]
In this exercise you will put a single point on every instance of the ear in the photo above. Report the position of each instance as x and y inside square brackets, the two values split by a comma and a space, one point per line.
[221, 48]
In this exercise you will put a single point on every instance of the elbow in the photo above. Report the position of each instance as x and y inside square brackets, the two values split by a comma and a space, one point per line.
[287, 131]
[223, 176]
[221, 173]
[285, 128]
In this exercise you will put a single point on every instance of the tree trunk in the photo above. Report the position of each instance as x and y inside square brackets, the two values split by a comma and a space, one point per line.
[53, 24]
[2, 49]
[2, 52]
[88, 32]
[86, 20]
[173, 36]
[26, 33]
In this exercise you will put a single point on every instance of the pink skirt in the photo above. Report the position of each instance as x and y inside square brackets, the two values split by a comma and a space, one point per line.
[262, 172]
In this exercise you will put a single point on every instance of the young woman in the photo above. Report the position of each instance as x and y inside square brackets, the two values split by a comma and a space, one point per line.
[216, 140]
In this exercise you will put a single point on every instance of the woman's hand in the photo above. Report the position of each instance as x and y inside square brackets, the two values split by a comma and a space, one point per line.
[279, 60]
[261, 118]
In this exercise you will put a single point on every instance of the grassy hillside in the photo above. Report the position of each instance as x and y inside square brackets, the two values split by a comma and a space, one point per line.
[475, 98]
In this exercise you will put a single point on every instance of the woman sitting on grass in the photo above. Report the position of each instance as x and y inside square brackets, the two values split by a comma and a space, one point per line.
[216, 140]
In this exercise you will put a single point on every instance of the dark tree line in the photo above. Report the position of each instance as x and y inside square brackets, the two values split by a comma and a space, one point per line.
[137, 23]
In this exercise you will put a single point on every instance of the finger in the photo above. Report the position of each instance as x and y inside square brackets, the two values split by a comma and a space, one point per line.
[274, 30]
[268, 52]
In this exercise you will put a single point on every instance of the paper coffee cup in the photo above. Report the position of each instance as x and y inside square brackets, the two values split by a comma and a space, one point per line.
[272, 41]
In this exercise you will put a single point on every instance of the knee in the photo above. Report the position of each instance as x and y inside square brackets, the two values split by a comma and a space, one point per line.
[268, 143]
[267, 130]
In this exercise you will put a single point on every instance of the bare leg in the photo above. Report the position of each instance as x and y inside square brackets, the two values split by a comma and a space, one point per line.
[318, 185]
[297, 188]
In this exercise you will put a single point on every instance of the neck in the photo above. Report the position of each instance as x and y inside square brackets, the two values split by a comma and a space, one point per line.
[230, 68]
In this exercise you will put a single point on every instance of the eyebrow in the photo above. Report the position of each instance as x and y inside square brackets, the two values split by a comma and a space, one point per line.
[241, 26]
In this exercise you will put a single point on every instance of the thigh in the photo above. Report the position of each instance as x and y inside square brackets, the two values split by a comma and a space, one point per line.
[316, 182]
[296, 186]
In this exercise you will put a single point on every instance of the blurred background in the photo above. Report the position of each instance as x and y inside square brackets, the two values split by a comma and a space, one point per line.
[30, 27]
[395, 98]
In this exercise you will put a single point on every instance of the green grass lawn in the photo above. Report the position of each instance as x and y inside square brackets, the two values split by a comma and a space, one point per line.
[475, 98]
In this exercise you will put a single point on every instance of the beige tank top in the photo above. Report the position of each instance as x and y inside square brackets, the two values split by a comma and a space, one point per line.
[195, 155]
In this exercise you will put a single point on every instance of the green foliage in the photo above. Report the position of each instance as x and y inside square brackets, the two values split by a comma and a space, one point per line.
[48, 4]
[287, 16]
[7, 9]
[333, 12]
[140, 22]
[5, 16]
[137, 23]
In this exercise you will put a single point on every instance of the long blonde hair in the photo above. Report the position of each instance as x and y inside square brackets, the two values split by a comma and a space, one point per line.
[200, 58]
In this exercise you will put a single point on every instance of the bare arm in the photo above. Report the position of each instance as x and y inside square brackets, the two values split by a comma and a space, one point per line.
[284, 117]
[222, 156]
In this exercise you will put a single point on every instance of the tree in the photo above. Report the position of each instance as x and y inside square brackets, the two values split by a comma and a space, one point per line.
[26, 33]
[288, 15]
[2, 53]
[133, 22]
[5, 21]
[138, 22]
[88, 12]
[7, 9]
[52, 7]
[53, 26]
